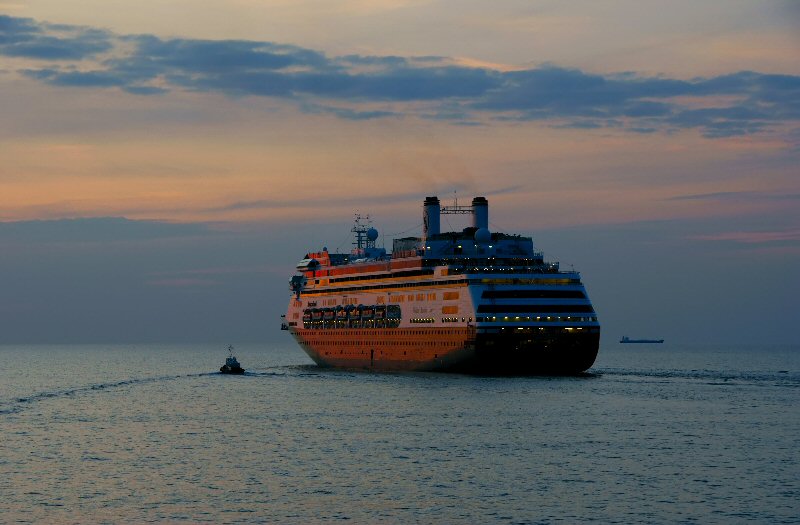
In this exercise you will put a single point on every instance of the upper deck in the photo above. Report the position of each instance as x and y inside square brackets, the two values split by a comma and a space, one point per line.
[474, 253]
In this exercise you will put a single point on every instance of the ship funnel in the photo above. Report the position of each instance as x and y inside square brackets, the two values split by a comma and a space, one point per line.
[480, 213]
[430, 217]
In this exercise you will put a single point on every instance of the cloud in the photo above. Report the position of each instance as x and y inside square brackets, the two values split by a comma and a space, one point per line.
[355, 87]
[219, 57]
[23, 37]
[349, 114]
[76, 78]
[101, 229]
[305, 201]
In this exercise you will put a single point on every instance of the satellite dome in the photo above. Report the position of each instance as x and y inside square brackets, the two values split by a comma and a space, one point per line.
[372, 234]
[482, 235]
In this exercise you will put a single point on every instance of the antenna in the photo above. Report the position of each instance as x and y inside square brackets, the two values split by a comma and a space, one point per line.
[455, 209]
[361, 227]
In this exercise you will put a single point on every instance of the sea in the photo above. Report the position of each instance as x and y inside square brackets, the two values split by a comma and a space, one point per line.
[145, 433]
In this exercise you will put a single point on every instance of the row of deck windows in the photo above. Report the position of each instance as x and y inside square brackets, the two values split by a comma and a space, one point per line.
[384, 342]
[547, 268]
[394, 323]
[403, 332]
[528, 319]
[353, 323]
[420, 284]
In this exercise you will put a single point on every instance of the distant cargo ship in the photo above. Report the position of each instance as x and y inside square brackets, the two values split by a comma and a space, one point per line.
[468, 301]
[626, 339]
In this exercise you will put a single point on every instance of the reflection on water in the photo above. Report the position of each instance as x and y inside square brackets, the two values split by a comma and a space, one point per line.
[143, 433]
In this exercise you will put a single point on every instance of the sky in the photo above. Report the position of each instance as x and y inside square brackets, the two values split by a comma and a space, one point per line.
[166, 163]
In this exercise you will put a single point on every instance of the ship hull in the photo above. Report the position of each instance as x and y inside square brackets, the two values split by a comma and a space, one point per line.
[463, 350]
[472, 301]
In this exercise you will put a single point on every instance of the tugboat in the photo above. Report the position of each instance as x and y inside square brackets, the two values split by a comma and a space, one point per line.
[231, 365]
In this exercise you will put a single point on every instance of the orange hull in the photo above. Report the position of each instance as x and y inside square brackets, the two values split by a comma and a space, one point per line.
[388, 348]
[545, 351]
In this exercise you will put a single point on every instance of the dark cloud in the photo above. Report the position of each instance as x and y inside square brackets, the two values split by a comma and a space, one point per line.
[642, 130]
[23, 37]
[76, 78]
[646, 109]
[349, 114]
[426, 83]
[50, 48]
[13, 30]
[581, 124]
[739, 103]
[387, 61]
[553, 91]
[224, 56]
[145, 90]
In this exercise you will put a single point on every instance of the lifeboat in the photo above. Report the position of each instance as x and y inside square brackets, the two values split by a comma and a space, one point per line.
[380, 312]
[393, 311]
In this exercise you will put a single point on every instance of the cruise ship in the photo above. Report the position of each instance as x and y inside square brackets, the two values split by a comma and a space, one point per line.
[472, 301]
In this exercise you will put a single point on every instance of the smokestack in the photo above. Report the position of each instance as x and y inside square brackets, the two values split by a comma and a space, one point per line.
[430, 217]
[480, 213]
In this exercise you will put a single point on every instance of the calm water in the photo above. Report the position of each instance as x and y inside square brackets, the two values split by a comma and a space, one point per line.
[657, 433]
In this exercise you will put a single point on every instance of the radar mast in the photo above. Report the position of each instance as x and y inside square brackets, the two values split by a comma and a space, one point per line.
[361, 227]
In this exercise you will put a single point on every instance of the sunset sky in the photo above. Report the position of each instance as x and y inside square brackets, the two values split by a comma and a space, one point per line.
[165, 163]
